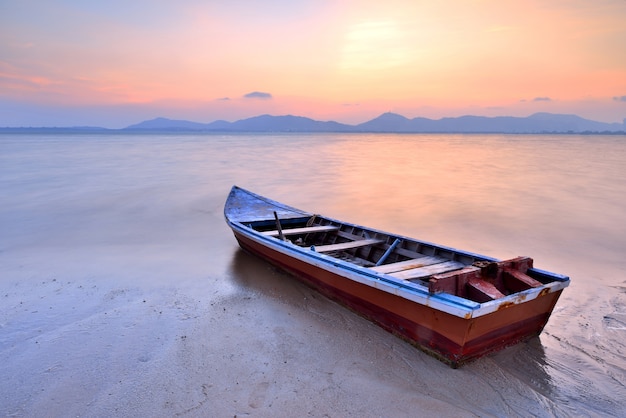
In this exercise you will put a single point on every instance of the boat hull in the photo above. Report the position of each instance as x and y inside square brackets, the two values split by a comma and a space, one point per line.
[453, 304]
[453, 339]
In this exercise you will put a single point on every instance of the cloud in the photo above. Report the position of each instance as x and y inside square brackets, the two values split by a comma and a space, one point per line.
[223, 99]
[258, 95]
[542, 99]
[620, 98]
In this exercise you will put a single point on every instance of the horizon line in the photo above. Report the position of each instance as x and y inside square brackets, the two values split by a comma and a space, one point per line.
[309, 118]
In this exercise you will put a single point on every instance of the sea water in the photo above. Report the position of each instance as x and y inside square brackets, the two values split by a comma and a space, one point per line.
[123, 291]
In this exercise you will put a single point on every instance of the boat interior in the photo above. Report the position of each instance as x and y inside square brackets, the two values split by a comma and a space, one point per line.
[440, 269]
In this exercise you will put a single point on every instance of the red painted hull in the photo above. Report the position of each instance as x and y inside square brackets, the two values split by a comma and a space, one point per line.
[451, 338]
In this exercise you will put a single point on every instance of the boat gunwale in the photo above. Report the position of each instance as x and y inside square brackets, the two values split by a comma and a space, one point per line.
[452, 304]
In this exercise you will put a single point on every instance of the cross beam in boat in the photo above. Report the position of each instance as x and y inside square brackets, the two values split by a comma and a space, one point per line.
[305, 230]
[425, 271]
[346, 245]
[412, 263]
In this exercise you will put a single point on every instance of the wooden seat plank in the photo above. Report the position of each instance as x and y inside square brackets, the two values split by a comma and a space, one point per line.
[517, 281]
[305, 230]
[408, 264]
[346, 245]
[482, 291]
[425, 271]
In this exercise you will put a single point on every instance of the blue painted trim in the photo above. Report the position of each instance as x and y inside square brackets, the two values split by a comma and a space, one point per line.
[460, 305]
[361, 271]
[555, 276]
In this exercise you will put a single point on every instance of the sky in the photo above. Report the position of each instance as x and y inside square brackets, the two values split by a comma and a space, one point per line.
[117, 62]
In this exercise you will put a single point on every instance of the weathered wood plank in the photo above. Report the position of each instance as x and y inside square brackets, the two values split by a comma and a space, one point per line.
[482, 291]
[346, 245]
[453, 282]
[519, 263]
[408, 264]
[517, 281]
[420, 272]
[305, 230]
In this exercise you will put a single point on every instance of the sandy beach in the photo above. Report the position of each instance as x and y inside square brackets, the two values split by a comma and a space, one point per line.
[249, 341]
[124, 294]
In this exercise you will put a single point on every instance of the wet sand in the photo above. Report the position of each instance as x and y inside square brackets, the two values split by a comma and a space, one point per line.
[263, 345]
[139, 302]
[136, 331]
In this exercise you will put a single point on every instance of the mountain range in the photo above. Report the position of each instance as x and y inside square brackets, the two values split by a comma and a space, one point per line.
[387, 122]
[392, 122]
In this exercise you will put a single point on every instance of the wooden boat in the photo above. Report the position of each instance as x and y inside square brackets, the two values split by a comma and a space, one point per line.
[453, 304]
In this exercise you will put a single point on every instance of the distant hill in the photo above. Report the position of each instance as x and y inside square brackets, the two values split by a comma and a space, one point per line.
[263, 123]
[537, 123]
[167, 124]
[387, 122]
[392, 122]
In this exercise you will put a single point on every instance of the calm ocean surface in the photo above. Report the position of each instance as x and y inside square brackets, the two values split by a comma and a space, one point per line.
[143, 213]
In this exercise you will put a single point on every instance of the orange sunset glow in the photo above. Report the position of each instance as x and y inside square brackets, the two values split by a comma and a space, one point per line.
[111, 64]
